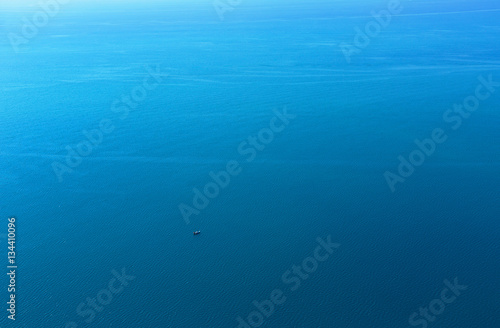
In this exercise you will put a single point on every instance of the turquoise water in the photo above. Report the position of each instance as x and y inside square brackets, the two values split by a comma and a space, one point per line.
[323, 175]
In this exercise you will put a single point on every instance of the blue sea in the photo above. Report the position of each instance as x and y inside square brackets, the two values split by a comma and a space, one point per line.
[217, 76]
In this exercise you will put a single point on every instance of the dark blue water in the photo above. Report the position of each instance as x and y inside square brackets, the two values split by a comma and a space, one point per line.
[323, 175]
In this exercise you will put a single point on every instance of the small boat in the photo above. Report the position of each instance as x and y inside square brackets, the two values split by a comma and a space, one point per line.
[196, 232]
